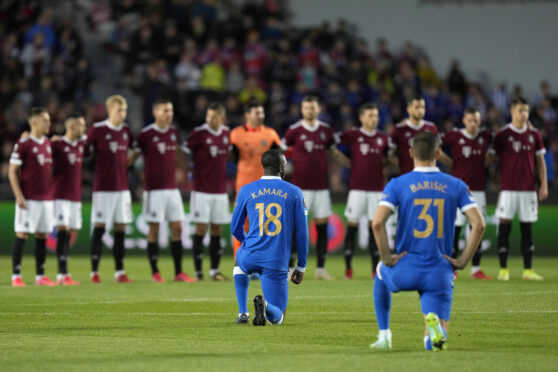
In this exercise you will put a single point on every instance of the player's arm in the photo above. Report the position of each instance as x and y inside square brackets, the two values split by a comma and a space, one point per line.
[133, 156]
[541, 170]
[446, 160]
[339, 157]
[380, 234]
[234, 154]
[476, 221]
[14, 183]
[301, 236]
[489, 158]
[239, 218]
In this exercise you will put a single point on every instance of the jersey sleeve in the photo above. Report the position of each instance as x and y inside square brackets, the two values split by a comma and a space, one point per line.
[332, 139]
[301, 231]
[140, 142]
[345, 137]
[539, 144]
[496, 145]
[447, 138]
[190, 144]
[390, 197]
[290, 138]
[466, 200]
[393, 140]
[239, 216]
[131, 140]
[18, 153]
[275, 139]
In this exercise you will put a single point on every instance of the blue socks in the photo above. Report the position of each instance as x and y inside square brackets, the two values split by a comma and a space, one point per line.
[382, 303]
[241, 282]
[273, 314]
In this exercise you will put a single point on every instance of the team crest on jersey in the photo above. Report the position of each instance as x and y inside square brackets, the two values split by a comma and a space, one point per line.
[516, 146]
[66, 149]
[108, 136]
[407, 134]
[510, 139]
[35, 150]
[113, 146]
[364, 148]
[161, 147]
[322, 136]
[531, 139]
[264, 143]
[208, 141]
[309, 145]
[466, 150]
[360, 139]
[461, 141]
[72, 158]
[155, 139]
[379, 142]
[303, 137]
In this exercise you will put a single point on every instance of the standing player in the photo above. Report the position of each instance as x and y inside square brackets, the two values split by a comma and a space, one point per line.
[427, 201]
[161, 199]
[249, 142]
[208, 145]
[30, 179]
[109, 140]
[518, 147]
[312, 140]
[368, 150]
[469, 148]
[276, 211]
[403, 133]
[67, 155]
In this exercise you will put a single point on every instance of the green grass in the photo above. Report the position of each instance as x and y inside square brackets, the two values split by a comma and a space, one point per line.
[509, 326]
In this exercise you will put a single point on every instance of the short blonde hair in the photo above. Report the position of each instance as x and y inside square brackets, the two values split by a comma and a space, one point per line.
[116, 99]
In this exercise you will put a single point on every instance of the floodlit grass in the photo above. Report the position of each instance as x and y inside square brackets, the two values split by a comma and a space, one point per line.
[509, 326]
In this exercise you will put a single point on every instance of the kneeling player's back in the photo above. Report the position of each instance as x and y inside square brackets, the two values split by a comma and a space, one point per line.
[427, 202]
[275, 209]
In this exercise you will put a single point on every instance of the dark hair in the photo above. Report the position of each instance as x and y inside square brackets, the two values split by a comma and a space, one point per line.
[217, 106]
[367, 106]
[72, 116]
[472, 110]
[311, 98]
[36, 111]
[160, 101]
[519, 101]
[251, 105]
[271, 161]
[425, 145]
[414, 97]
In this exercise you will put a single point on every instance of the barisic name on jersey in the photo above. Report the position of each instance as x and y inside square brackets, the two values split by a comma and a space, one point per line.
[429, 185]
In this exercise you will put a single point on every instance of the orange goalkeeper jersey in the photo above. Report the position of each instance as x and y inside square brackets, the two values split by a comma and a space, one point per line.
[251, 144]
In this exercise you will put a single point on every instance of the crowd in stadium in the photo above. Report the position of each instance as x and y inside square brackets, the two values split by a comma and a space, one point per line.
[194, 52]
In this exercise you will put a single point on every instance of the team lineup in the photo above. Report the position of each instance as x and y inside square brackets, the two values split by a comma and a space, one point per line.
[270, 218]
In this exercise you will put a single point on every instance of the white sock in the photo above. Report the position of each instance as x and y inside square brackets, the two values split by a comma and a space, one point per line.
[15, 276]
[384, 334]
[475, 269]
[118, 273]
[320, 270]
[60, 276]
[213, 272]
[38, 277]
[93, 273]
[239, 314]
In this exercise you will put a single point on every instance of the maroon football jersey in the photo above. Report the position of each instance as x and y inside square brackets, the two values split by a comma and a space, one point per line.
[468, 154]
[367, 152]
[110, 146]
[310, 146]
[209, 150]
[400, 139]
[517, 149]
[158, 147]
[34, 156]
[67, 159]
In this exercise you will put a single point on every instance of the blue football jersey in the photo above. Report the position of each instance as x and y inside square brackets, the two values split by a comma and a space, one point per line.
[275, 210]
[426, 201]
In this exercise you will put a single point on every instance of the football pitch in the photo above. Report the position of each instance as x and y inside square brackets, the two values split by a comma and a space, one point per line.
[509, 326]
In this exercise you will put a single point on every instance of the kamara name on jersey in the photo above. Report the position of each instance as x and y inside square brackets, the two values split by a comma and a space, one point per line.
[429, 185]
[262, 192]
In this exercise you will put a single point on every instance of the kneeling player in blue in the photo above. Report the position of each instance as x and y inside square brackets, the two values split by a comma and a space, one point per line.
[427, 202]
[276, 211]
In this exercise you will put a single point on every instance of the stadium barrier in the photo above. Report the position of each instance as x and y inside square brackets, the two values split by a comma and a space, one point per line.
[544, 233]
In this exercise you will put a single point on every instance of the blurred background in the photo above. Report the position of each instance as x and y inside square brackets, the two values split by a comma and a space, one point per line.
[70, 55]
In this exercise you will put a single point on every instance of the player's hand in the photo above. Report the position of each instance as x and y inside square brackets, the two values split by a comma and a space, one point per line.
[394, 259]
[543, 193]
[457, 265]
[21, 202]
[55, 138]
[25, 135]
[297, 277]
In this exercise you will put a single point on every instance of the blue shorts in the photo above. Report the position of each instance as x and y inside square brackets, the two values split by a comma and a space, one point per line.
[274, 283]
[434, 287]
